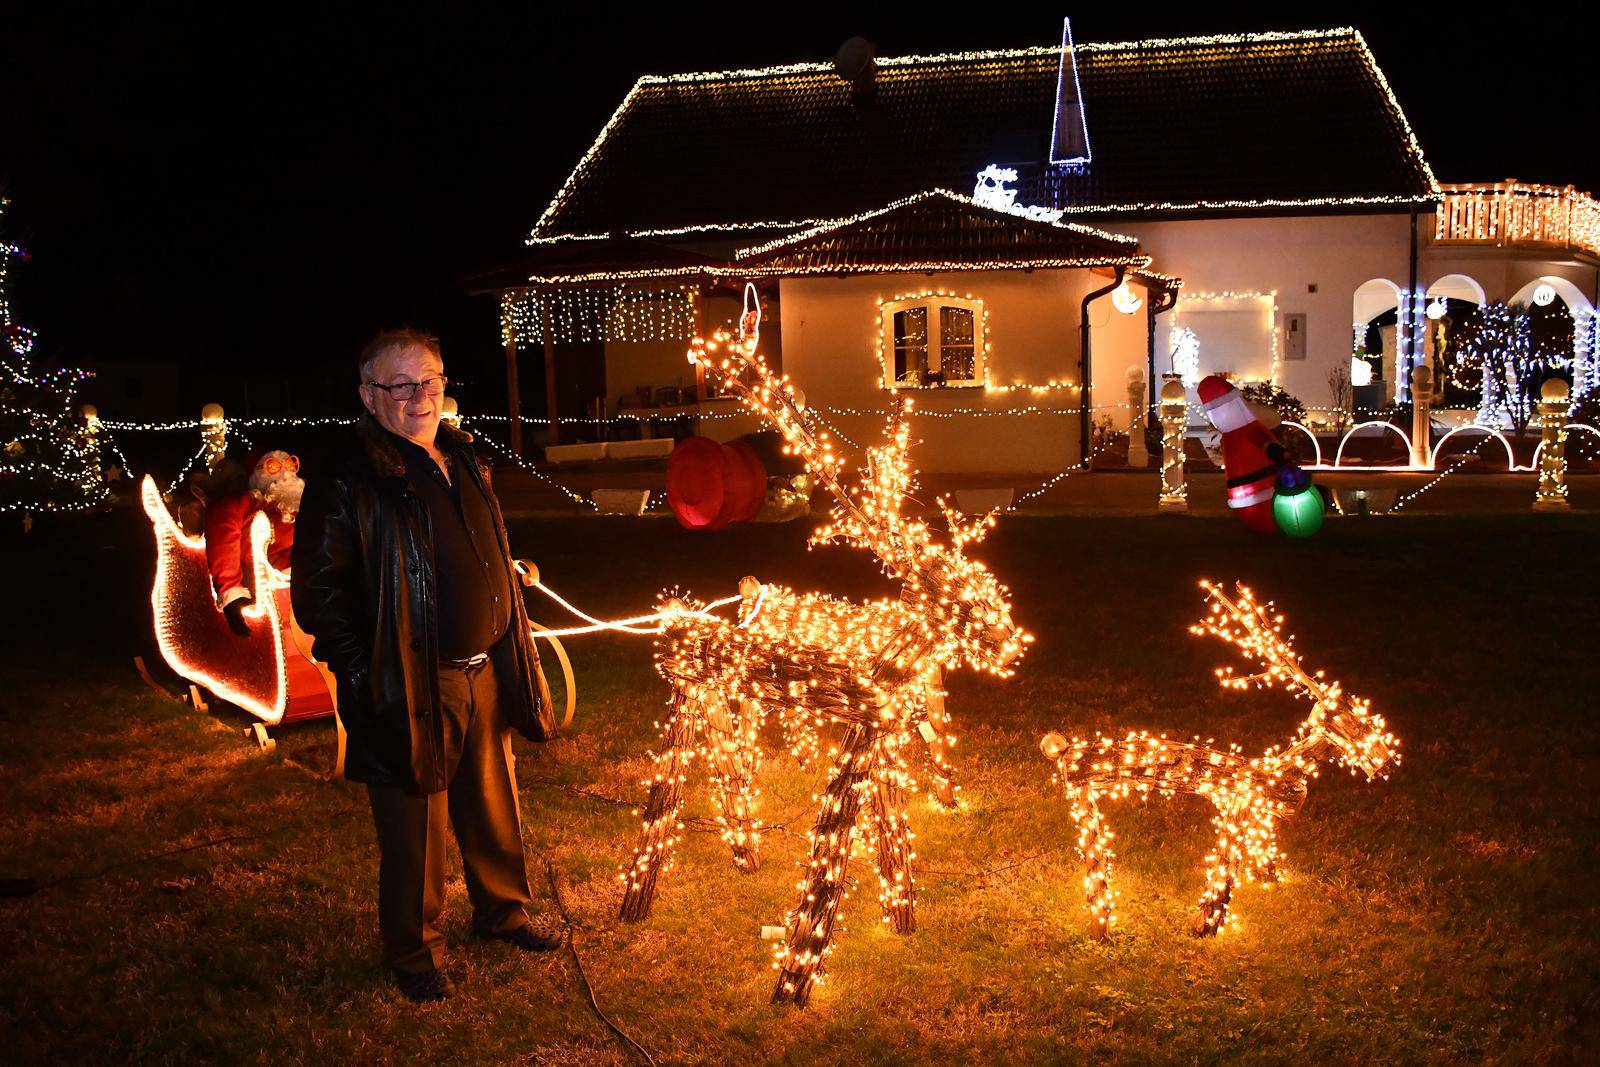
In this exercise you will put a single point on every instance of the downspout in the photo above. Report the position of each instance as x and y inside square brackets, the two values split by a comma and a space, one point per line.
[1167, 299]
[1411, 312]
[1086, 392]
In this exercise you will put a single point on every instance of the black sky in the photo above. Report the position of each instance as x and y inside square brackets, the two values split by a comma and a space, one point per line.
[254, 193]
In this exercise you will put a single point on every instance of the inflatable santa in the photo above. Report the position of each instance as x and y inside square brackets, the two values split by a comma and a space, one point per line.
[275, 486]
[1251, 456]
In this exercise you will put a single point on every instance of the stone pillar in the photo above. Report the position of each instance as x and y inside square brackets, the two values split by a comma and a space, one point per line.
[1138, 455]
[1421, 407]
[1554, 402]
[214, 434]
[1174, 419]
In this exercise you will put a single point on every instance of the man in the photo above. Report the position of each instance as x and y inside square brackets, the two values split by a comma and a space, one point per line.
[274, 487]
[403, 575]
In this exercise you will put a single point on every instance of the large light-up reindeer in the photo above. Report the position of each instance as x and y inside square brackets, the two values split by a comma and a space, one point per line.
[874, 668]
[1250, 795]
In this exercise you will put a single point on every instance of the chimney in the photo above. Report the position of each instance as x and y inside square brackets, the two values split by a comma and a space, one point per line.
[856, 64]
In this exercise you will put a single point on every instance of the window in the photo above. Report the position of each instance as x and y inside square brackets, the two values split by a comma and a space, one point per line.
[933, 340]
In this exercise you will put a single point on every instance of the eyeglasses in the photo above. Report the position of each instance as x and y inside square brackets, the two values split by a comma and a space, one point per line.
[407, 391]
[272, 466]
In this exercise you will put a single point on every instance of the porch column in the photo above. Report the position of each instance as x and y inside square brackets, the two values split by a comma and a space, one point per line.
[551, 407]
[513, 395]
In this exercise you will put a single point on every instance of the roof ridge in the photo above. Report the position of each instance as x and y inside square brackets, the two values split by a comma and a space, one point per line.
[829, 225]
[920, 59]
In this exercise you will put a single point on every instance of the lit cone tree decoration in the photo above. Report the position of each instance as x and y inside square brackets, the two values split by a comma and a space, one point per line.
[1250, 795]
[48, 459]
[874, 668]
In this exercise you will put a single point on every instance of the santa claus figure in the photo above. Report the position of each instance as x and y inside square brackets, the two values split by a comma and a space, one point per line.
[275, 486]
[1251, 456]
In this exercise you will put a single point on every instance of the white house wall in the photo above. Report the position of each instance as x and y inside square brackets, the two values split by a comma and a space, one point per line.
[1289, 255]
[830, 334]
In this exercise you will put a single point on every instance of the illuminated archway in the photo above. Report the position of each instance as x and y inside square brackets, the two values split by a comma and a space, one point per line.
[1338, 458]
[1374, 300]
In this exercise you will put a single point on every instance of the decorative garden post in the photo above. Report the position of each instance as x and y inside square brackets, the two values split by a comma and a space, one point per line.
[1554, 402]
[1421, 401]
[214, 433]
[1138, 455]
[1174, 414]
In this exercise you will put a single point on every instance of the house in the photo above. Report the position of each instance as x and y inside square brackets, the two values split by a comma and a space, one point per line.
[1015, 236]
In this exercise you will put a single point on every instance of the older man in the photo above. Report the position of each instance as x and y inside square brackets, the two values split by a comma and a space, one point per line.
[403, 575]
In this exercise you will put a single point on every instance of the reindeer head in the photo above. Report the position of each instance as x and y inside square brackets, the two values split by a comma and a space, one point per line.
[964, 609]
[1355, 736]
[1340, 726]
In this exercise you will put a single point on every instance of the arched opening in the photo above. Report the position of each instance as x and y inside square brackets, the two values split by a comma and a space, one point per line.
[1447, 310]
[1376, 316]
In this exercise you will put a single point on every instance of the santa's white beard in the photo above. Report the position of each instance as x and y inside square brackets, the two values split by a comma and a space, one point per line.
[284, 494]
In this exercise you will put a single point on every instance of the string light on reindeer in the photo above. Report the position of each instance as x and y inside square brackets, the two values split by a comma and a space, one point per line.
[1250, 795]
[875, 668]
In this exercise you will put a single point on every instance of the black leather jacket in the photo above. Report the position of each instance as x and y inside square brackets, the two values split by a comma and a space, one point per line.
[362, 585]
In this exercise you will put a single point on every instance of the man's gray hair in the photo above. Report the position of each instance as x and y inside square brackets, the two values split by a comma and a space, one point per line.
[399, 340]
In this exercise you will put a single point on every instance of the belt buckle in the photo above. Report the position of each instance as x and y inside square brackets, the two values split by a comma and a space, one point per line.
[471, 663]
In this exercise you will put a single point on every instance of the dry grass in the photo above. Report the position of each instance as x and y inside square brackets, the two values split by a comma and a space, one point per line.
[1445, 914]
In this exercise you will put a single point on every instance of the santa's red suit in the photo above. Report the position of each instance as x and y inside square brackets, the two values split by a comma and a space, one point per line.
[1250, 454]
[228, 521]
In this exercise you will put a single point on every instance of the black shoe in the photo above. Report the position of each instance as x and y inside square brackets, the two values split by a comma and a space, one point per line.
[538, 935]
[424, 986]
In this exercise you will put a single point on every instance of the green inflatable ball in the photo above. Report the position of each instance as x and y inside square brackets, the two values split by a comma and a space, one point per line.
[1298, 515]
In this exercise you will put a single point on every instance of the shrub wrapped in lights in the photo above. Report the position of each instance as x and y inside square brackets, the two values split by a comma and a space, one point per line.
[1250, 795]
[874, 668]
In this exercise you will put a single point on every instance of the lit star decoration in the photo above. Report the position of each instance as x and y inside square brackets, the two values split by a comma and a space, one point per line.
[874, 668]
[1250, 795]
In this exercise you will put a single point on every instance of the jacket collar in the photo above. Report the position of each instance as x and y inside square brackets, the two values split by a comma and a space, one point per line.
[385, 458]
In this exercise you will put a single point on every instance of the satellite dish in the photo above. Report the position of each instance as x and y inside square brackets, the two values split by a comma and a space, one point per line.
[854, 58]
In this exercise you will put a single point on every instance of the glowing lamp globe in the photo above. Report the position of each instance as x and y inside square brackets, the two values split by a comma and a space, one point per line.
[1437, 309]
[1125, 300]
[1297, 508]
[1360, 371]
[1544, 295]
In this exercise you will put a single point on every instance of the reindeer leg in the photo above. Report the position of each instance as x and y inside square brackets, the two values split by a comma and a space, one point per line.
[937, 734]
[1094, 842]
[812, 921]
[1222, 868]
[660, 834]
[897, 891]
[1261, 845]
[735, 762]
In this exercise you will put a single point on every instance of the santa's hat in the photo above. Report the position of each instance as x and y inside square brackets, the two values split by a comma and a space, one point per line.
[1224, 404]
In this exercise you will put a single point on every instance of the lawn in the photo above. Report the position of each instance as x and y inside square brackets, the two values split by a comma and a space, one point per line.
[1446, 913]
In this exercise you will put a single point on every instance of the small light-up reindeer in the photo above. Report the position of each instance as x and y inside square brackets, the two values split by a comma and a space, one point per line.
[872, 667]
[1250, 795]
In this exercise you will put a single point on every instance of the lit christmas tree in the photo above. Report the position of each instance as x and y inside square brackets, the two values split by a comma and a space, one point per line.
[48, 459]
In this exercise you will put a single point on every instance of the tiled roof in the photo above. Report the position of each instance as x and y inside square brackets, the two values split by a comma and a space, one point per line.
[561, 258]
[1219, 123]
[946, 230]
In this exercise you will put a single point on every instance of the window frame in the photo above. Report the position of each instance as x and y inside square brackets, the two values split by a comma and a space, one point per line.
[932, 303]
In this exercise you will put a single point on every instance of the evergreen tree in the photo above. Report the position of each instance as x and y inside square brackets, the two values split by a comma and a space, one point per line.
[48, 462]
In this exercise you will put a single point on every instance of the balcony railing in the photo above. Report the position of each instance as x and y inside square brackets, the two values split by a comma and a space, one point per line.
[1516, 214]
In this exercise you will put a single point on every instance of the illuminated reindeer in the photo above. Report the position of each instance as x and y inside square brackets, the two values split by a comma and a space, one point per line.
[1250, 795]
[872, 667]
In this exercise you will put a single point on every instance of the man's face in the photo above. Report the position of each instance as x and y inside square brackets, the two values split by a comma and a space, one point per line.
[416, 419]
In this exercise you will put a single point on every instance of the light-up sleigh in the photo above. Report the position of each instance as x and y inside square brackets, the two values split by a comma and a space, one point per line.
[269, 673]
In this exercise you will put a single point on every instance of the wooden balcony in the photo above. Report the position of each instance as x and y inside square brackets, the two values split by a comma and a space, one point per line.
[1513, 214]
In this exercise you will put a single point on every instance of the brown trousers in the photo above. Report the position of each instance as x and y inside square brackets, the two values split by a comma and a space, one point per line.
[481, 805]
